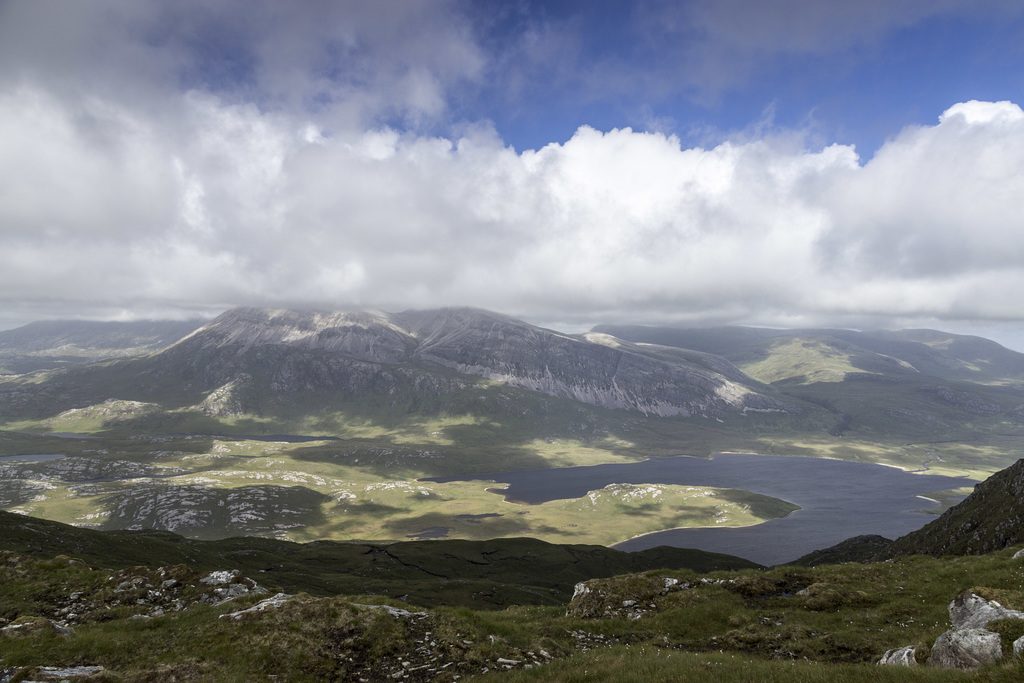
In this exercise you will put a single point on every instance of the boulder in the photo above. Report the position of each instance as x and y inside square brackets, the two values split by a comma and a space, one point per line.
[969, 610]
[1018, 647]
[61, 673]
[965, 649]
[30, 625]
[219, 578]
[901, 656]
[274, 602]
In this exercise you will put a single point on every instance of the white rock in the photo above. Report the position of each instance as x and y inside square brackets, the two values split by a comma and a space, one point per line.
[393, 611]
[969, 610]
[1018, 647]
[219, 578]
[275, 602]
[69, 672]
[901, 656]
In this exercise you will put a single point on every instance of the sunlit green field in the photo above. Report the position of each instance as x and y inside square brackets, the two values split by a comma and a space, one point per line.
[349, 502]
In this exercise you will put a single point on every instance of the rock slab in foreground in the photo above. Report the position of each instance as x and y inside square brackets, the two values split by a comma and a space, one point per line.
[965, 649]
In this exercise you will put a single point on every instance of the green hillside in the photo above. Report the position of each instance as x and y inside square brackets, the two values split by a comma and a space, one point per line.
[162, 622]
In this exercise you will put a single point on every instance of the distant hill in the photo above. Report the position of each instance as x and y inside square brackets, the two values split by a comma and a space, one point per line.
[57, 343]
[912, 352]
[918, 384]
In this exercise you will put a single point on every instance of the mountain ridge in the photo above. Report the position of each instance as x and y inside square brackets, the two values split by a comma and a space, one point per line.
[490, 346]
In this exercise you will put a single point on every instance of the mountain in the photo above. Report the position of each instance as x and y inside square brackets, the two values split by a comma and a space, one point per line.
[52, 344]
[592, 370]
[245, 360]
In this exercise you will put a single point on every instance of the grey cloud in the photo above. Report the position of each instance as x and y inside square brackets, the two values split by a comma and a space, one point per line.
[352, 62]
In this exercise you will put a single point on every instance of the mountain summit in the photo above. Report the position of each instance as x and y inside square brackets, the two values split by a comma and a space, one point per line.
[296, 349]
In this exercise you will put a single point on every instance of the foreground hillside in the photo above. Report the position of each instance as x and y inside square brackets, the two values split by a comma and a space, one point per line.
[172, 622]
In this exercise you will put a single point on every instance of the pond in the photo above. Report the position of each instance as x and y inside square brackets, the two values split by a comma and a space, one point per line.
[838, 499]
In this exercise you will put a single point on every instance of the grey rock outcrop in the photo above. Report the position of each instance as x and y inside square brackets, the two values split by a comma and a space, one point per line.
[969, 610]
[968, 644]
[1018, 647]
[901, 656]
[965, 649]
[273, 602]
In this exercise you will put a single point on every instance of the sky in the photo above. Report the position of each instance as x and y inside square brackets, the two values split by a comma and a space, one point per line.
[783, 163]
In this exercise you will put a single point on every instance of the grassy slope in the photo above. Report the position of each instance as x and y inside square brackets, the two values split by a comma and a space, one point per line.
[743, 626]
[479, 573]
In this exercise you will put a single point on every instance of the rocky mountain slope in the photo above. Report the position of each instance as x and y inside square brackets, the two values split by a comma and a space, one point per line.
[247, 359]
[176, 618]
[595, 370]
[482, 574]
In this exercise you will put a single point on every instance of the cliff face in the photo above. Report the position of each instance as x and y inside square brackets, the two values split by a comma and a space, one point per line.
[371, 351]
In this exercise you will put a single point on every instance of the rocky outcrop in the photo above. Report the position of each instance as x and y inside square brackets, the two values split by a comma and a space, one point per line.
[969, 644]
[231, 399]
[270, 603]
[25, 626]
[143, 592]
[969, 610]
[965, 649]
[901, 656]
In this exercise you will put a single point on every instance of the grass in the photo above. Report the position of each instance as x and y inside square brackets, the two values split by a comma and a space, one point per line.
[484, 574]
[786, 624]
[804, 360]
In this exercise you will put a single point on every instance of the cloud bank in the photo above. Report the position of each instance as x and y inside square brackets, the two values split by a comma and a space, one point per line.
[269, 175]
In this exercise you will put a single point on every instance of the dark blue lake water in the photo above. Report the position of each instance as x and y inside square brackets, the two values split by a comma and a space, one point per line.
[838, 499]
[32, 457]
